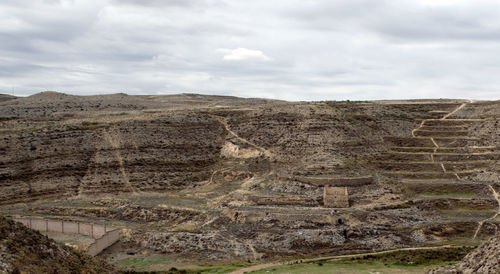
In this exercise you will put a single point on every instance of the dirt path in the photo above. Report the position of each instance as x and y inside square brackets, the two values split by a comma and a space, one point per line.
[111, 138]
[495, 194]
[419, 127]
[497, 197]
[454, 111]
[115, 142]
[250, 246]
[254, 268]
[436, 144]
[437, 147]
[268, 265]
[480, 224]
[215, 172]
[266, 152]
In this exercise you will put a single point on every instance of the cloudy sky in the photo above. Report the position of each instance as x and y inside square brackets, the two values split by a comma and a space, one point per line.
[286, 49]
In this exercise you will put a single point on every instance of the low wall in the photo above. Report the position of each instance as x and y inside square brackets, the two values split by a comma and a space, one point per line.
[102, 243]
[104, 235]
[283, 200]
[348, 182]
[335, 196]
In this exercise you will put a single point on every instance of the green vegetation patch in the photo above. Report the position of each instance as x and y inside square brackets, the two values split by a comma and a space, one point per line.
[406, 261]
[140, 263]
[146, 264]
[217, 269]
[374, 267]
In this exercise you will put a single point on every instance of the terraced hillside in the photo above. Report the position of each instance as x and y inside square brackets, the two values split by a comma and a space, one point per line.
[110, 156]
[449, 165]
[230, 179]
[442, 149]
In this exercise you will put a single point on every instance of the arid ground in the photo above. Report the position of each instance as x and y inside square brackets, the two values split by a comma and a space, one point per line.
[209, 181]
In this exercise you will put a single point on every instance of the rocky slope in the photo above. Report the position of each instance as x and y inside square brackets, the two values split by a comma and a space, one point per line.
[6, 97]
[229, 178]
[55, 158]
[484, 259]
[49, 103]
[56, 145]
[23, 250]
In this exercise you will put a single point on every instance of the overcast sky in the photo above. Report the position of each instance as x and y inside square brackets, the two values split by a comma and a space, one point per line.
[285, 49]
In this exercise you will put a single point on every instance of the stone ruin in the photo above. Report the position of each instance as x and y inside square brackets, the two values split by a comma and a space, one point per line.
[335, 197]
[335, 192]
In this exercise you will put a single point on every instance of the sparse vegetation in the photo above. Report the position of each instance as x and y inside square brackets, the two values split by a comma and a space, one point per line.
[28, 251]
[415, 261]
[155, 167]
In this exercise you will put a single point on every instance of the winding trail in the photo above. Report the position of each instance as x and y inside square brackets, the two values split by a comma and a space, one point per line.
[268, 265]
[436, 145]
[250, 246]
[436, 148]
[454, 111]
[480, 224]
[264, 151]
[495, 194]
[419, 127]
[215, 172]
[115, 144]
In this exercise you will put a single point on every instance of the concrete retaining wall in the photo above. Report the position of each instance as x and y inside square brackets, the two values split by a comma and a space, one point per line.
[99, 231]
[104, 235]
[102, 243]
[71, 227]
[40, 225]
[55, 226]
[86, 229]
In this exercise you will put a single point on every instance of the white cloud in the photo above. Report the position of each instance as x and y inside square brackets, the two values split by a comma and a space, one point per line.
[240, 54]
[286, 49]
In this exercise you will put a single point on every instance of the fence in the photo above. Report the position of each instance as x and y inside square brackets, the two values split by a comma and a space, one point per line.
[104, 235]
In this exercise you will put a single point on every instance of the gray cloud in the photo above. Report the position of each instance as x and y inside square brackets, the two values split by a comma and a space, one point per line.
[294, 49]
[164, 3]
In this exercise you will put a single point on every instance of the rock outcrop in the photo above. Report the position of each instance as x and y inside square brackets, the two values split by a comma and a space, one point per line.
[158, 154]
[484, 259]
[244, 177]
[23, 250]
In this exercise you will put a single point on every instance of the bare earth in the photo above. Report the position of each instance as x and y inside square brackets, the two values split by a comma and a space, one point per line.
[225, 179]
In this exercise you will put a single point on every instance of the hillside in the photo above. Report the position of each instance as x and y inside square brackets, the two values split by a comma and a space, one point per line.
[6, 97]
[214, 178]
[51, 102]
[26, 251]
[484, 259]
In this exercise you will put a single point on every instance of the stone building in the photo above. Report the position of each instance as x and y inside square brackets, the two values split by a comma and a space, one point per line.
[335, 197]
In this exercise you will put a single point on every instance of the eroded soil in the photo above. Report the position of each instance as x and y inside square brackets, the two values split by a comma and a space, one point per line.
[227, 179]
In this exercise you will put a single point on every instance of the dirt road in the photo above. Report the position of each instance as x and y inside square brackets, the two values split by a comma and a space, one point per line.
[268, 265]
